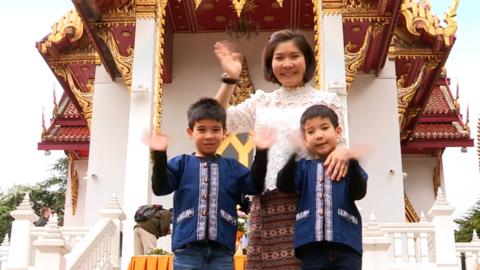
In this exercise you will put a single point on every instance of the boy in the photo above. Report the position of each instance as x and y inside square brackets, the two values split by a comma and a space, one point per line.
[207, 189]
[328, 228]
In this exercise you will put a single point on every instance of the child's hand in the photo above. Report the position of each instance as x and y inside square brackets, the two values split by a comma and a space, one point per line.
[158, 142]
[229, 59]
[264, 138]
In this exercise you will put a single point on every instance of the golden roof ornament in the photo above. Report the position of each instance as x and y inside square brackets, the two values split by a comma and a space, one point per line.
[69, 26]
[238, 6]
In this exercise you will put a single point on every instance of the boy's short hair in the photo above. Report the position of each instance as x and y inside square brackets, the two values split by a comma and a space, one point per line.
[319, 111]
[301, 43]
[206, 108]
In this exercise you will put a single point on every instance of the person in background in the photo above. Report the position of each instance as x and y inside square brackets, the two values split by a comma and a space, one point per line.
[45, 214]
[147, 232]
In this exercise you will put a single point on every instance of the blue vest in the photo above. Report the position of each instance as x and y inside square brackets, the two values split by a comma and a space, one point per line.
[326, 211]
[205, 198]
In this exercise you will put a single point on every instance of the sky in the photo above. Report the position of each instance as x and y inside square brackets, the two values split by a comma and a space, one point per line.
[27, 88]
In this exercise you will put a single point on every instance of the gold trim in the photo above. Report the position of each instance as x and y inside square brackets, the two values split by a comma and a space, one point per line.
[354, 60]
[73, 183]
[124, 63]
[436, 173]
[418, 16]
[125, 15]
[238, 6]
[145, 9]
[406, 94]
[84, 99]
[243, 150]
[318, 50]
[332, 7]
[76, 56]
[244, 88]
[410, 213]
[159, 40]
[197, 3]
[69, 26]
[403, 47]
[280, 3]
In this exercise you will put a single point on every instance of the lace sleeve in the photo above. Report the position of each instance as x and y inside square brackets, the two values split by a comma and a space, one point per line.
[241, 117]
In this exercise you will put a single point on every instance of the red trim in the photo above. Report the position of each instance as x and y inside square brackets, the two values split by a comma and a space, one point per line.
[69, 122]
[74, 146]
[439, 119]
[415, 144]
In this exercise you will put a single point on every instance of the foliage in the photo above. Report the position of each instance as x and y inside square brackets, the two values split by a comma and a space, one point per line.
[50, 192]
[158, 251]
[466, 224]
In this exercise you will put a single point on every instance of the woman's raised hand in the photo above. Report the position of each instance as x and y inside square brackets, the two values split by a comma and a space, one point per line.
[229, 59]
[157, 142]
[337, 163]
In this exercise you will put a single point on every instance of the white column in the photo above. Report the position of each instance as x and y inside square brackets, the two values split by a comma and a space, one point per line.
[376, 245]
[20, 242]
[51, 248]
[107, 157]
[137, 171]
[334, 61]
[445, 251]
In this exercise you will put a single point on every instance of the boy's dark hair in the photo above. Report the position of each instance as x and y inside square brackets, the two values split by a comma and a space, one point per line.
[206, 108]
[302, 44]
[319, 111]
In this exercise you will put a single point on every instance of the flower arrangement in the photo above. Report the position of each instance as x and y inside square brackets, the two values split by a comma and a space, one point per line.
[242, 221]
[158, 251]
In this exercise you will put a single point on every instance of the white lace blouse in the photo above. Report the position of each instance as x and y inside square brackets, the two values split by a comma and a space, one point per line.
[279, 110]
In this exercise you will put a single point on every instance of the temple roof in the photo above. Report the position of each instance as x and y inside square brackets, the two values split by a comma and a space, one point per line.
[68, 130]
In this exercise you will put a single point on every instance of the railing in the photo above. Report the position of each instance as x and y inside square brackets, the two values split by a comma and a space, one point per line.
[468, 254]
[411, 242]
[4, 249]
[96, 249]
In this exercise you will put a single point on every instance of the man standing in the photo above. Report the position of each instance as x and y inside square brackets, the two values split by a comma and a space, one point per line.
[45, 214]
[147, 232]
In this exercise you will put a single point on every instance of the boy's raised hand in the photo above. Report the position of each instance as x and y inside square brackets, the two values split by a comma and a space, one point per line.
[264, 138]
[229, 59]
[157, 142]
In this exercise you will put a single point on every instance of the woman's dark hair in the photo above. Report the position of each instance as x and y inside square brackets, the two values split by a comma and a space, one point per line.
[302, 44]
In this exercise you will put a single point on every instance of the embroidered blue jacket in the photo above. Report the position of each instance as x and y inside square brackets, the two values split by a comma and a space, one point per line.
[207, 192]
[326, 208]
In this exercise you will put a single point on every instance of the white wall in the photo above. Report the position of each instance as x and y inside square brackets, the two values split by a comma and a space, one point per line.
[419, 181]
[81, 167]
[107, 144]
[373, 119]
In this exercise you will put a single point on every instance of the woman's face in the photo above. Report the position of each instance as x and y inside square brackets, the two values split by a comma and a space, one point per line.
[288, 64]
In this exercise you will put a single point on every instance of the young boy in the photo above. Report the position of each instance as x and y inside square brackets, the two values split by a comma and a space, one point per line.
[207, 189]
[328, 229]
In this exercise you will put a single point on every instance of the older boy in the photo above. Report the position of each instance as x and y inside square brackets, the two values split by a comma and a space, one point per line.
[207, 189]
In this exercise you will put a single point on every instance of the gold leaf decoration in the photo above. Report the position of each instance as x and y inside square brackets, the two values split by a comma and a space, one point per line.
[159, 39]
[238, 6]
[410, 213]
[244, 88]
[406, 94]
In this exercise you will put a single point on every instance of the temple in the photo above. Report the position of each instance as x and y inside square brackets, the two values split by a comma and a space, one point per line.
[127, 66]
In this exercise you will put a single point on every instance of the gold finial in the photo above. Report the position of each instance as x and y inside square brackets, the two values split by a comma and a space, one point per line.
[456, 102]
[55, 104]
[44, 129]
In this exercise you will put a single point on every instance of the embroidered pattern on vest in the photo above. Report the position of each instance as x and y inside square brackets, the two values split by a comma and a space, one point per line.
[302, 215]
[185, 214]
[202, 200]
[228, 218]
[319, 204]
[349, 217]
[328, 209]
[213, 202]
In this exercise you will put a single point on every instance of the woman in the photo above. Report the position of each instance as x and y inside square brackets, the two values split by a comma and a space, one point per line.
[288, 60]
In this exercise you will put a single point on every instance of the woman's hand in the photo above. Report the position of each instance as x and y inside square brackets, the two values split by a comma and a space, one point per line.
[229, 59]
[337, 163]
[157, 142]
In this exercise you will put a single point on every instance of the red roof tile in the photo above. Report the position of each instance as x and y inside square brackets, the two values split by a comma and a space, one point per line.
[440, 131]
[67, 134]
[70, 112]
[440, 102]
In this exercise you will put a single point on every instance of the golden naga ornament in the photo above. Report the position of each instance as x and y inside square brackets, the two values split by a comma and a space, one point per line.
[69, 27]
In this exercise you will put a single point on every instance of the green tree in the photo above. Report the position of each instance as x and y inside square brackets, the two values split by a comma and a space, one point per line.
[467, 223]
[50, 192]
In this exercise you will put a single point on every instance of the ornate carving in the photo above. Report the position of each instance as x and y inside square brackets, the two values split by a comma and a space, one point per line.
[84, 99]
[159, 39]
[410, 212]
[406, 94]
[145, 9]
[73, 184]
[354, 60]
[318, 24]
[437, 173]
[280, 3]
[124, 15]
[362, 10]
[69, 27]
[332, 7]
[124, 63]
[86, 55]
[244, 88]
[402, 47]
[418, 16]
[238, 6]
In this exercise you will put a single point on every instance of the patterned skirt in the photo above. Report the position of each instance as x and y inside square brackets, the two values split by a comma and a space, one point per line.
[272, 229]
